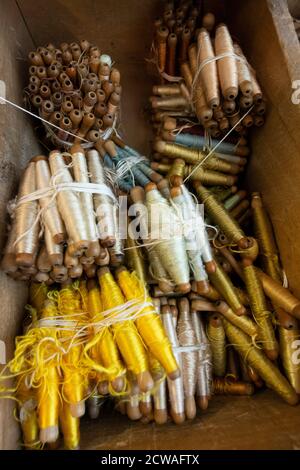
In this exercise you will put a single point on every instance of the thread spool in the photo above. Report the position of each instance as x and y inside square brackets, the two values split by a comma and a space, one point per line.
[187, 337]
[161, 39]
[126, 334]
[68, 203]
[258, 302]
[81, 175]
[26, 242]
[209, 72]
[227, 68]
[51, 216]
[175, 387]
[175, 264]
[171, 56]
[216, 336]
[103, 204]
[260, 363]
[215, 210]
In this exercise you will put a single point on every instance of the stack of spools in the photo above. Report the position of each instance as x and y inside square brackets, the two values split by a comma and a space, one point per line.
[82, 342]
[59, 231]
[204, 73]
[75, 88]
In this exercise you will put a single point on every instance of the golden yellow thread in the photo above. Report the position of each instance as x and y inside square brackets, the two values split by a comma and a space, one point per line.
[75, 379]
[101, 352]
[216, 336]
[219, 215]
[224, 285]
[260, 363]
[292, 370]
[264, 234]
[259, 309]
[135, 259]
[148, 323]
[126, 334]
[70, 427]
[227, 387]
[48, 390]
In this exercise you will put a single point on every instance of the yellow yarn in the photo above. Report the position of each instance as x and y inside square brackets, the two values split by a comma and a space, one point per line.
[48, 377]
[75, 378]
[101, 350]
[125, 332]
[149, 323]
[70, 427]
[28, 416]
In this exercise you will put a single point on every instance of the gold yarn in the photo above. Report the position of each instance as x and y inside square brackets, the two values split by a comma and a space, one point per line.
[259, 309]
[228, 387]
[125, 332]
[279, 295]
[74, 385]
[292, 370]
[135, 259]
[260, 363]
[217, 339]
[70, 427]
[264, 234]
[224, 286]
[190, 155]
[104, 353]
[243, 322]
[48, 395]
[219, 215]
[149, 323]
[28, 416]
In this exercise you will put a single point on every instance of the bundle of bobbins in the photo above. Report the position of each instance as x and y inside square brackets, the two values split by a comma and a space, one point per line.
[204, 75]
[84, 342]
[57, 232]
[75, 88]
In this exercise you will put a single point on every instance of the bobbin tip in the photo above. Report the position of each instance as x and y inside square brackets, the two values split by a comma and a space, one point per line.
[137, 194]
[210, 267]
[102, 271]
[178, 418]
[293, 399]
[118, 384]
[150, 187]
[25, 260]
[103, 388]
[175, 192]
[38, 158]
[54, 153]
[241, 311]
[202, 402]
[76, 148]
[184, 288]
[108, 242]
[50, 434]
[93, 251]
[272, 354]
[176, 181]
[133, 412]
[121, 407]
[242, 151]
[169, 123]
[243, 243]
[145, 381]
[160, 416]
[159, 146]
[175, 374]
[145, 408]
[8, 263]
[94, 411]
[91, 284]
[190, 407]
[202, 287]
[59, 238]
[77, 409]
